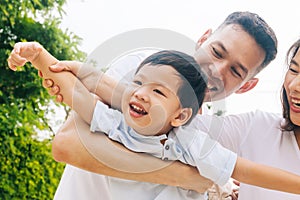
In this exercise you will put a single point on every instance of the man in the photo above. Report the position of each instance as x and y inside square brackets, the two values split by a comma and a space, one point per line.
[232, 55]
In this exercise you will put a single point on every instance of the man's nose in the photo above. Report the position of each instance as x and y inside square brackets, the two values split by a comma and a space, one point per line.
[217, 71]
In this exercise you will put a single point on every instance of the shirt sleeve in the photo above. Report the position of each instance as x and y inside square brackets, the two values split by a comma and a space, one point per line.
[211, 159]
[104, 118]
[123, 68]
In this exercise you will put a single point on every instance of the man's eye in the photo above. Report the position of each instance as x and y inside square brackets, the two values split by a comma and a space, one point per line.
[217, 53]
[159, 92]
[235, 71]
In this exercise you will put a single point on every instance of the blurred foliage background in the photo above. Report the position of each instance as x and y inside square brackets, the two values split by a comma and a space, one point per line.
[28, 170]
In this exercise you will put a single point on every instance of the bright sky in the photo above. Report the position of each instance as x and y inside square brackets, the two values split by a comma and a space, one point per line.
[95, 21]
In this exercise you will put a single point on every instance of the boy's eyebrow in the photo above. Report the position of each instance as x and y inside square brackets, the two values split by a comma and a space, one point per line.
[140, 76]
[144, 78]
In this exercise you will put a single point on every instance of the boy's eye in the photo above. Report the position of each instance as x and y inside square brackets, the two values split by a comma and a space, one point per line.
[137, 82]
[159, 92]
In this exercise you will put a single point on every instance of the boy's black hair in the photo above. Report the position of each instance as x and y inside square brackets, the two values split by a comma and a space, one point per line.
[192, 90]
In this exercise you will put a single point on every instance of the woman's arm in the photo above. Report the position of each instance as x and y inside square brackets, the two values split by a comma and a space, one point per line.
[267, 177]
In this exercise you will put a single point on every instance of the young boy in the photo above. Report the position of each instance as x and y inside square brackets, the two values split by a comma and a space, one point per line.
[151, 110]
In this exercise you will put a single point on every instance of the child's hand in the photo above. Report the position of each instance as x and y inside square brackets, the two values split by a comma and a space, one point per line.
[23, 52]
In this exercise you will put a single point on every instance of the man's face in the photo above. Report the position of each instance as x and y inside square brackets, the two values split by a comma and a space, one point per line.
[230, 57]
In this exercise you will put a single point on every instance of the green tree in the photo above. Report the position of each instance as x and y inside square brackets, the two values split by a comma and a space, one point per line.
[28, 170]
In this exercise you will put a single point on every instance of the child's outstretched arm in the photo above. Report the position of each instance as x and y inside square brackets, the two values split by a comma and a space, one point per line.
[74, 92]
[264, 176]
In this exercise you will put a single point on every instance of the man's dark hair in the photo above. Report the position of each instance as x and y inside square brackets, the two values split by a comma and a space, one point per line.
[192, 90]
[256, 27]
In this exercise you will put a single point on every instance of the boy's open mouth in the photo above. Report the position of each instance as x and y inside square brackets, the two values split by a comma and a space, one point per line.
[137, 109]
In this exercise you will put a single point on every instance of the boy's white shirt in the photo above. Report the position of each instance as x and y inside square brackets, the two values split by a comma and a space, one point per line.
[184, 143]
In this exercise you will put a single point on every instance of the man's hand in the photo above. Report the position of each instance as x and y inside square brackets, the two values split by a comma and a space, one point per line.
[23, 52]
[53, 89]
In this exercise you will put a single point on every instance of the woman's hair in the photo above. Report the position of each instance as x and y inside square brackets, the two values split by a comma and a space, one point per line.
[192, 90]
[288, 125]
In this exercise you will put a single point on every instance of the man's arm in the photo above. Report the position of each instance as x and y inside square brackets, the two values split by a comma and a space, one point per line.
[70, 146]
[267, 177]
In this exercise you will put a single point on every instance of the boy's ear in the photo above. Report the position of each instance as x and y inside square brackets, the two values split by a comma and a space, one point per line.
[247, 86]
[182, 118]
[203, 38]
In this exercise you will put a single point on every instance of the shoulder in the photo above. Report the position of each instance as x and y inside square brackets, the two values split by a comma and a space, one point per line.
[253, 118]
[123, 66]
[205, 122]
[250, 116]
[261, 116]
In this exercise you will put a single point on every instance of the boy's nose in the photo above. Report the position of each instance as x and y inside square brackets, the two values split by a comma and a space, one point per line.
[142, 94]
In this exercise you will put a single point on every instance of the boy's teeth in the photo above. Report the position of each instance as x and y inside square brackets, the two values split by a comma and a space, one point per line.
[138, 109]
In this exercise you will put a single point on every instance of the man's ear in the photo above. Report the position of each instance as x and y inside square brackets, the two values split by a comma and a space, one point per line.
[182, 118]
[203, 38]
[249, 85]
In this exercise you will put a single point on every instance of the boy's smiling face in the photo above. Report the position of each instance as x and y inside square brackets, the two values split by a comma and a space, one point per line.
[151, 103]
